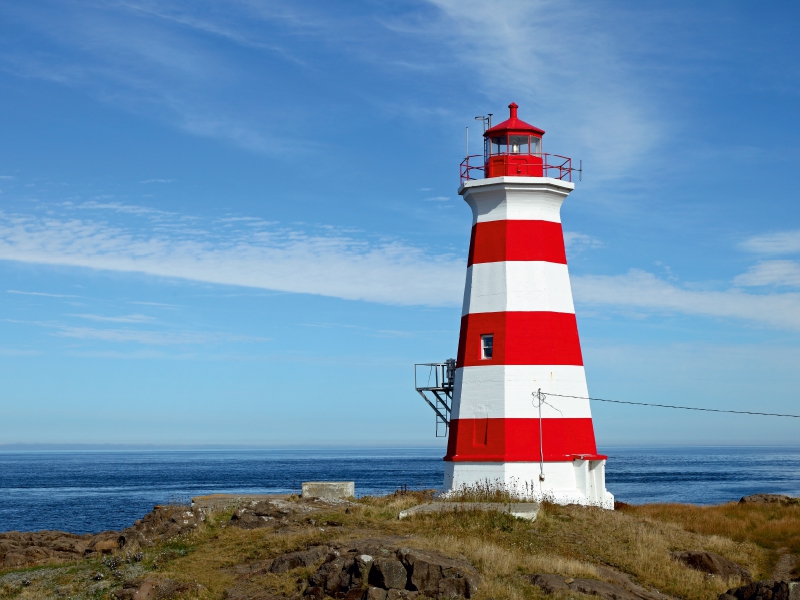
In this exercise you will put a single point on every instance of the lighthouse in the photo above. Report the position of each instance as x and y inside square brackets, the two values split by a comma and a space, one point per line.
[520, 416]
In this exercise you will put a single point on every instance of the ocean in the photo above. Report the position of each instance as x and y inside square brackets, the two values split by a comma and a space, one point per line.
[91, 491]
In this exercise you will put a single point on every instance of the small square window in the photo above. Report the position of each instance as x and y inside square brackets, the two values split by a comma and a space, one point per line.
[487, 342]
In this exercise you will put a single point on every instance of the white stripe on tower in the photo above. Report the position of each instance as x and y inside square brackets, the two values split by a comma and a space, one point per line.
[517, 203]
[504, 391]
[518, 286]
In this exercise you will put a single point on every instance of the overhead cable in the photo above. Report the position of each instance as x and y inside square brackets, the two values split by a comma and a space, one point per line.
[716, 410]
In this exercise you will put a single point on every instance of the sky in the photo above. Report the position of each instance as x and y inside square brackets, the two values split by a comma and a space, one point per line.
[237, 222]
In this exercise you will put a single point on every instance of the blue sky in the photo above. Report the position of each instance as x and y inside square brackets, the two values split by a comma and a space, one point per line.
[237, 222]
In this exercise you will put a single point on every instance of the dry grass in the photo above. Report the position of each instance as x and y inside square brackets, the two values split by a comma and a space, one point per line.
[491, 491]
[572, 541]
[770, 526]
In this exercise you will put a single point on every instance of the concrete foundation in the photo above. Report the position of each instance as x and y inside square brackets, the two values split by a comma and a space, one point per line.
[521, 510]
[329, 490]
[574, 482]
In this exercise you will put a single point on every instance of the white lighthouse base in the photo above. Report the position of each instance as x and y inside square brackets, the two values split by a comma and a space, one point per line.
[575, 482]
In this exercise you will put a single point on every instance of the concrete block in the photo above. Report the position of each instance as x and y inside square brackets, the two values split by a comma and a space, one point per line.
[329, 490]
[520, 510]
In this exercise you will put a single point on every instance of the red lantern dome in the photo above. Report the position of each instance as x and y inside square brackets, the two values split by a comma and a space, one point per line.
[514, 148]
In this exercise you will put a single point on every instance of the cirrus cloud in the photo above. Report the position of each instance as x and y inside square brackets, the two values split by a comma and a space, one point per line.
[639, 290]
[281, 259]
[778, 242]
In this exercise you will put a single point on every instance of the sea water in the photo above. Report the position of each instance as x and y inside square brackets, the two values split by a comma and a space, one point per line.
[93, 491]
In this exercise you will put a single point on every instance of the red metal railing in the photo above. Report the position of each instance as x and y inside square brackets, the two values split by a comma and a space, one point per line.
[554, 165]
[467, 169]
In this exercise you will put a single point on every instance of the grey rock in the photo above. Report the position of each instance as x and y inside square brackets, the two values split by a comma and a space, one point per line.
[452, 587]
[268, 509]
[150, 588]
[401, 595]
[426, 569]
[247, 519]
[314, 593]
[388, 573]
[625, 581]
[356, 593]
[766, 590]
[403, 574]
[338, 575]
[294, 560]
[375, 593]
[769, 499]
[14, 559]
[710, 562]
[552, 583]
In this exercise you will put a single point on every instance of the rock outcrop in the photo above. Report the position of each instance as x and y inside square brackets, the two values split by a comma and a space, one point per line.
[44, 547]
[764, 590]
[260, 514]
[619, 588]
[712, 563]
[253, 514]
[375, 570]
[304, 558]
[551, 583]
[769, 499]
[151, 588]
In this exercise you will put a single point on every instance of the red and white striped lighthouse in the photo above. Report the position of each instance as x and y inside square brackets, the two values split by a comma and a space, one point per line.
[519, 333]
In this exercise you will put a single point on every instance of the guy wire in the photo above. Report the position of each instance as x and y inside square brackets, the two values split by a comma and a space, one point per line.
[717, 410]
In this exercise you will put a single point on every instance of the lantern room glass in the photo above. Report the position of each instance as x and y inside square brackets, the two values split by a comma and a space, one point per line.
[518, 144]
[515, 144]
[499, 145]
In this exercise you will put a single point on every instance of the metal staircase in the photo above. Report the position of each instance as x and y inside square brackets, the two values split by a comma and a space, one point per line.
[435, 382]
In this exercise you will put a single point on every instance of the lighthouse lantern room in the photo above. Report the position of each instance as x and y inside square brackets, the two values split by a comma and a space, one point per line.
[513, 148]
[517, 411]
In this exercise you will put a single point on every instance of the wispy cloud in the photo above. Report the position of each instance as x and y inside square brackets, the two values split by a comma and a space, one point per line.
[280, 259]
[228, 251]
[41, 294]
[142, 61]
[131, 209]
[577, 242]
[156, 304]
[771, 272]
[122, 319]
[779, 242]
[18, 352]
[644, 292]
[561, 62]
[156, 338]
[437, 199]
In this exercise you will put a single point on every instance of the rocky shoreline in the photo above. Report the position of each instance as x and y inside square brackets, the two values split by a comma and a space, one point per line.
[27, 549]
[139, 562]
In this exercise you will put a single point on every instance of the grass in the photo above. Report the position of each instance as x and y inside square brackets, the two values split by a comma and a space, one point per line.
[569, 540]
[491, 491]
[770, 526]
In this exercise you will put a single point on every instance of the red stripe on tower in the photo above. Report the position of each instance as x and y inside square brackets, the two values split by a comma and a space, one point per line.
[518, 440]
[519, 338]
[496, 241]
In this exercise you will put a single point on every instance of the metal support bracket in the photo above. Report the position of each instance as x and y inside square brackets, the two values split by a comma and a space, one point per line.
[435, 383]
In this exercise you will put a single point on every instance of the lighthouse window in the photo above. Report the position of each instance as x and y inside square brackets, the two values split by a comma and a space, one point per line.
[499, 145]
[487, 342]
[536, 145]
[518, 144]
